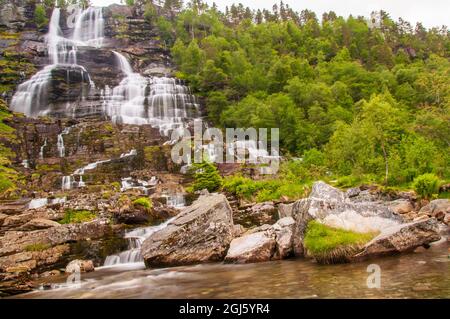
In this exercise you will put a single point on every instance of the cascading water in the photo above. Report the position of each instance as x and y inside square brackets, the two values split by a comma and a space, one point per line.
[135, 239]
[41, 151]
[60, 142]
[31, 96]
[159, 101]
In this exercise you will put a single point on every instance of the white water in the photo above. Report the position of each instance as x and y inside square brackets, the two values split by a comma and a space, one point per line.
[60, 142]
[135, 239]
[176, 200]
[41, 151]
[129, 183]
[67, 182]
[159, 101]
[31, 96]
[41, 202]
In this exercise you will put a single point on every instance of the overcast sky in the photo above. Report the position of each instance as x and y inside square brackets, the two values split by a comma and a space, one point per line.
[429, 12]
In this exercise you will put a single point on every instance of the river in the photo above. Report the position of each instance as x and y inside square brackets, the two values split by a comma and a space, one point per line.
[421, 274]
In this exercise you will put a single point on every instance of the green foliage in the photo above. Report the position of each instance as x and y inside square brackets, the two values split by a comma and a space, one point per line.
[264, 190]
[329, 245]
[37, 247]
[40, 16]
[360, 97]
[206, 176]
[143, 202]
[77, 216]
[426, 185]
[129, 3]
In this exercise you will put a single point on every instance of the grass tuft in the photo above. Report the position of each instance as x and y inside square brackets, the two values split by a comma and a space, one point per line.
[328, 245]
[77, 216]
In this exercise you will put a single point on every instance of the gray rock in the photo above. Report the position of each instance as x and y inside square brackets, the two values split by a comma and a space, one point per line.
[263, 243]
[284, 236]
[401, 238]
[285, 210]
[437, 208]
[200, 233]
[331, 206]
[256, 247]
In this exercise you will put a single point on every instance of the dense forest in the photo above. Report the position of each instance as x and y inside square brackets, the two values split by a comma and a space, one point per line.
[356, 99]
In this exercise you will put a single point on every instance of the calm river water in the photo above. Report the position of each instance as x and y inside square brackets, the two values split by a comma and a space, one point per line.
[422, 274]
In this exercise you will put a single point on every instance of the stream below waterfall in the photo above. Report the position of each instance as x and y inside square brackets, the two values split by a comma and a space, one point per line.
[422, 274]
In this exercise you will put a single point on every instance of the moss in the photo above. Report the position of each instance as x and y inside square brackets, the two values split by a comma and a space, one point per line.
[116, 186]
[77, 216]
[37, 247]
[143, 202]
[329, 245]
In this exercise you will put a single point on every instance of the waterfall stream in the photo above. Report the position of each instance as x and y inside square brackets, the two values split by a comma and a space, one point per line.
[135, 238]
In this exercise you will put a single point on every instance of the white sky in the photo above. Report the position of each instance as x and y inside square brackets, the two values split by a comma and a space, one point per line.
[429, 12]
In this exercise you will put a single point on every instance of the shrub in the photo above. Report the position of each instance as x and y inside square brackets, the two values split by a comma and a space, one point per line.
[206, 176]
[143, 202]
[77, 216]
[40, 16]
[347, 181]
[426, 185]
[37, 247]
[331, 245]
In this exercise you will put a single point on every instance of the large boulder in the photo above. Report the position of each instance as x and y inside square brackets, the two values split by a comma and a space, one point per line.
[334, 208]
[255, 247]
[202, 232]
[263, 243]
[401, 238]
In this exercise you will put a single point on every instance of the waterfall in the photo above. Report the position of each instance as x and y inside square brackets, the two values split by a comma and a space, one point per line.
[41, 151]
[128, 183]
[67, 182]
[176, 200]
[89, 27]
[31, 96]
[161, 102]
[60, 142]
[135, 238]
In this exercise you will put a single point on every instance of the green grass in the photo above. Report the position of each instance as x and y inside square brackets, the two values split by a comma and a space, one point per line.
[37, 247]
[144, 202]
[77, 216]
[328, 245]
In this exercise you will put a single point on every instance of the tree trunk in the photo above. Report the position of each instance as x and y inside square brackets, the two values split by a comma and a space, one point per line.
[385, 163]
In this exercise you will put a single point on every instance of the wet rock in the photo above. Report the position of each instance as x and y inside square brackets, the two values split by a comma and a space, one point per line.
[80, 266]
[39, 223]
[50, 273]
[251, 248]
[401, 238]
[200, 233]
